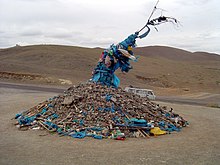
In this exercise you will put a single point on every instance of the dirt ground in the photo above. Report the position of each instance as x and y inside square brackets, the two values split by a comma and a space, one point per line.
[197, 144]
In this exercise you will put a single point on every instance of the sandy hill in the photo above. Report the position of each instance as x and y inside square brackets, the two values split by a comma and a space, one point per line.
[160, 68]
[176, 54]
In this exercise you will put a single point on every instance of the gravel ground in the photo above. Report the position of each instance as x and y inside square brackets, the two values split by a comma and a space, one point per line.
[197, 144]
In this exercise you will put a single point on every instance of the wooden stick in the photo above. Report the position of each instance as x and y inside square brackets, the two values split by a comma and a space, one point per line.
[53, 130]
[138, 128]
[145, 134]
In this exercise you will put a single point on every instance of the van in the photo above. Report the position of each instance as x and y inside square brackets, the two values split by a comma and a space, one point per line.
[141, 92]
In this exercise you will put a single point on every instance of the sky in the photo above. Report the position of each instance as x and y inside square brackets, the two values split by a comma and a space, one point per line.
[100, 23]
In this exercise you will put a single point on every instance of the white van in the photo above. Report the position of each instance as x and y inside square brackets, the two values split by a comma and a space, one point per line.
[142, 92]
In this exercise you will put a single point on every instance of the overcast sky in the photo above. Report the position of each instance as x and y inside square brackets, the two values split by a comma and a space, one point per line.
[99, 23]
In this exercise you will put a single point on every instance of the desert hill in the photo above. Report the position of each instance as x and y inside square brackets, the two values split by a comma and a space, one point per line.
[161, 68]
[176, 54]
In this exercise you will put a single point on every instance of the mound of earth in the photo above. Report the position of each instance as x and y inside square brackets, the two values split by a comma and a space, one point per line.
[99, 111]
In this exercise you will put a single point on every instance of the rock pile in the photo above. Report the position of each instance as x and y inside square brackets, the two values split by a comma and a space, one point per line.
[98, 111]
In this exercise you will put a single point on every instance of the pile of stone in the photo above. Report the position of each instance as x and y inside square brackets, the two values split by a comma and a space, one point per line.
[93, 110]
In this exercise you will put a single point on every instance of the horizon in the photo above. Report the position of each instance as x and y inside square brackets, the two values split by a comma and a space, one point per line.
[53, 44]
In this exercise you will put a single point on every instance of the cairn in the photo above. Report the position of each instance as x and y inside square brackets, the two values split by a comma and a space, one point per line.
[94, 110]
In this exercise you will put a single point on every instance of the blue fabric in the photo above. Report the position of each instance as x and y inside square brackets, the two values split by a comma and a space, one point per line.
[112, 108]
[24, 120]
[167, 115]
[161, 124]
[97, 137]
[50, 124]
[81, 122]
[38, 115]
[172, 127]
[105, 75]
[107, 109]
[137, 122]
[44, 110]
[125, 66]
[59, 130]
[79, 135]
[168, 127]
[97, 129]
[84, 113]
[55, 116]
[130, 41]
[96, 77]
[17, 115]
[117, 120]
[83, 134]
[108, 97]
[116, 81]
